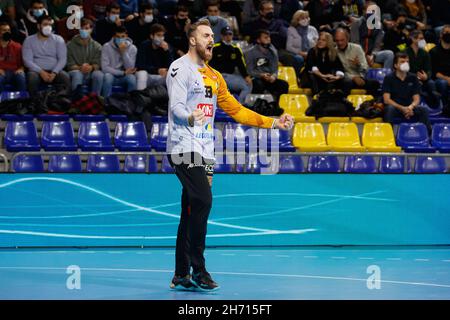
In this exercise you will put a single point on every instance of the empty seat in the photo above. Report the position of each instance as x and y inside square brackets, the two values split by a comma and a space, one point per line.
[21, 136]
[378, 74]
[291, 164]
[323, 164]
[165, 166]
[118, 117]
[360, 164]
[131, 136]
[251, 98]
[309, 137]
[413, 137]
[224, 164]
[103, 163]
[430, 165]
[222, 116]
[394, 164]
[288, 74]
[17, 117]
[441, 137]
[94, 136]
[89, 117]
[357, 100]
[135, 163]
[267, 138]
[152, 164]
[53, 117]
[58, 136]
[296, 105]
[159, 135]
[379, 137]
[28, 163]
[344, 137]
[64, 163]
[240, 137]
[13, 95]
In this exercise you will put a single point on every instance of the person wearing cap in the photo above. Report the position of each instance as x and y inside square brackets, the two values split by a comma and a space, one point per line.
[226, 58]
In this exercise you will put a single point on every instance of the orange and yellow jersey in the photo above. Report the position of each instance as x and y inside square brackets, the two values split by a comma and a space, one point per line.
[190, 87]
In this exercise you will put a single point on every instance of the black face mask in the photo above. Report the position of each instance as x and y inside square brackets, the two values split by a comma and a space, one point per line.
[401, 26]
[446, 38]
[6, 36]
[269, 16]
[182, 22]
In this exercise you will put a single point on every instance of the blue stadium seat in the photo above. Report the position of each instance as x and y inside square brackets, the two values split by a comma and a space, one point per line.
[360, 164]
[65, 163]
[222, 116]
[291, 164]
[94, 136]
[394, 164]
[265, 137]
[135, 163]
[21, 136]
[58, 136]
[378, 74]
[159, 136]
[323, 164]
[53, 117]
[89, 117]
[12, 95]
[103, 163]
[152, 164]
[413, 137]
[118, 89]
[440, 137]
[165, 166]
[16, 117]
[28, 163]
[131, 136]
[430, 165]
[241, 136]
[223, 165]
[118, 117]
[160, 119]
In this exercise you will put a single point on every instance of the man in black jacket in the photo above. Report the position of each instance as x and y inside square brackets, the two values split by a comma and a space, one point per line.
[440, 62]
[105, 28]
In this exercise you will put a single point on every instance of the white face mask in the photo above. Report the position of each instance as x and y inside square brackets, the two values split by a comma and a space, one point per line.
[47, 30]
[422, 44]
[148, 18]
[404, 67]
[304, 22]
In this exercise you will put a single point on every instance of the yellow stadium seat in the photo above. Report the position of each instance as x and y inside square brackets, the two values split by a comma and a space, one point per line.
[356, 100]
[379, 137]
[309, 137]
[331, 119]
[429, 46]
[296, 105]
[377, 66]
[358, 91]
[344, 137]
[288, 74]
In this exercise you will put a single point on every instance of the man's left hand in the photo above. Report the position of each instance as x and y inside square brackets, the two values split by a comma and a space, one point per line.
[286, 122]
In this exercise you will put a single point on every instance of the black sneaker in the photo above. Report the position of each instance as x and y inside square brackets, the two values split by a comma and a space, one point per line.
[204, 282]
[183, 283]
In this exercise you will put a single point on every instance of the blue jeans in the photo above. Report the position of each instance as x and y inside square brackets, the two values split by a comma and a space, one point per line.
[420, 115]
[95, 78]
[18, 80]
[237, 84]
[386, 57]
[443, 88]
[110, 80]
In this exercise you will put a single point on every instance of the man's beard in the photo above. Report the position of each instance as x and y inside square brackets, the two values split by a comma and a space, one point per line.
[204, 54]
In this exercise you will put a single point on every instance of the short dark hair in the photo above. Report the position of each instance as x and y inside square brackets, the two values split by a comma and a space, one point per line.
[262, 3]
[212, 3]
[157, 28]
[260, 32]
[194, 26]
[86, 21]
[113, 5]
[145, 6]
[400, 55]
[415, 34]
[36, 1]
[181, 8]
[120, 29]
[43, 18]
[5, 23]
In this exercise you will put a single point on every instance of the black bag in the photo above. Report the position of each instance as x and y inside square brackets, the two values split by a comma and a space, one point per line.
[370, 109]
[266, 108]
[330, 103]
[16, 106]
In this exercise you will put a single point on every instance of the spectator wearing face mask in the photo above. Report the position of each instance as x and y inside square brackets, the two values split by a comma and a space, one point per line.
[84, 59]
[301, 36]
[119, 62]
[395, 38]
[177, 27]
[139, 28]
[96, 9]
[69, 26]
[401, 94]
[104, 28]
[11, 63]
[216, 21]
[45, 56]
[440, 61]
[28, 24]
[416, 13]
[228, 57]
[128, 9]
[153, 59]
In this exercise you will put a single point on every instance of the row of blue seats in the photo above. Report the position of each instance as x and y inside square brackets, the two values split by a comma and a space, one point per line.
[286, 164]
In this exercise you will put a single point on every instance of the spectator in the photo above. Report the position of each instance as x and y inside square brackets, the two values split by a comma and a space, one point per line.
[69, 26]
[139, 28]
[11, 64]
[440, 61]
[396, 37]
[285, 9]
[371, 41]
[250, 11]
[232, 8]
[105, 28]
[323, 65]
[45, 56]
[7, 8]
[401, 94]
[262, 65]
[96, 9]
[440, 15]
[153, 59]
[22, 7]
[416, 14]
[354, 62]
[57, 9]
[128, 9]
[301, 36]
[28, 25]
[226, 58]
[118, 62]
[420, 65]
[217, 22]
[321, 13]
[84, 58]
[8, 14]
[177, 27]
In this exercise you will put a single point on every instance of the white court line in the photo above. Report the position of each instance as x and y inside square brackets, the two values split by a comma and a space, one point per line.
[242, 274]
[115, 252]
[365, 258]
[445, 260]
[421, 259]
[310, 257]
[339, 258]
[282, 256]
[393, 259]
[254, 255]
[227, 254]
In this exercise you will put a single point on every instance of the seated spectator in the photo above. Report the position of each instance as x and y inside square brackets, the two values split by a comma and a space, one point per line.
[262, 65]
[250, 11]
[8, 14]
[395, 38]
[323, 65]
[440, 15]
[69, 26]
[96, 9]
[57, 9]
[401, 93]
[213, 15]
[139, 28]
[118, 62]
[285, 9]
[177, 27]
[128, 9]
[232, 8]
[440, 61]
[11, 64]
[420, 64]
[84, 58]
[105, 28]
[7, 8]
[45, 56]
[416, 14]
[226, 58]
[28, 24]
[355, 64]
[301, 36]
[153, 59]
[371, 41]
[321, 13]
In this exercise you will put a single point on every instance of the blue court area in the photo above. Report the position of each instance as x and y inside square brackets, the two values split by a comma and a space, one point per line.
[318, 236]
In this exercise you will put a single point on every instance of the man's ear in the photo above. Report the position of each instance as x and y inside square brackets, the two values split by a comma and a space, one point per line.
[192, 42]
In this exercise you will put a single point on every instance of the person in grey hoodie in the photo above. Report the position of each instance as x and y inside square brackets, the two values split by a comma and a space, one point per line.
[45, 56]
[84, 58]
[118, 62]
[213, 15]
[262, 66]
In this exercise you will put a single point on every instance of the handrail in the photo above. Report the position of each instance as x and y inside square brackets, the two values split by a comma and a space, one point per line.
[5, 160]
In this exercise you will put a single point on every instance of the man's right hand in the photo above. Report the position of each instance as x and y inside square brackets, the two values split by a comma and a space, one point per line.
[2, 72]
[45, 76]
[130, 71]
[196, 117]
[408, 112]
